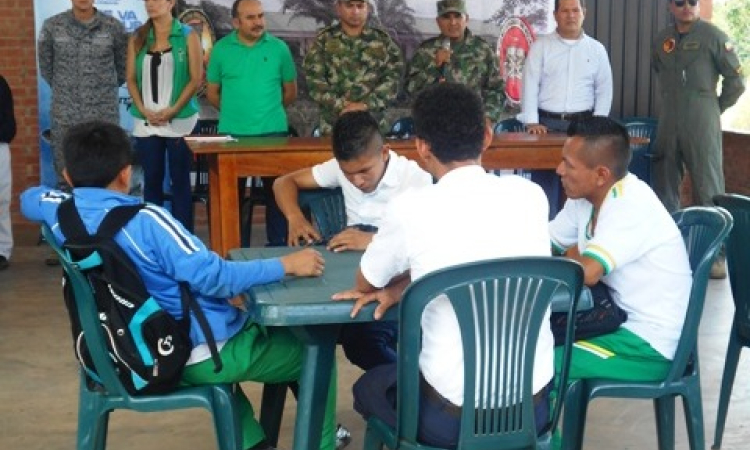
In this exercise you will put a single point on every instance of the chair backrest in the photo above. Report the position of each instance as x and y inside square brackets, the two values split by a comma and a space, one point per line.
[326, 208]
[510, 125]
[200, 164]
[704, 229]
[402, 128]
[640, 164]
[89, 319]
[501, 305]
[738, 257]
[208, 126]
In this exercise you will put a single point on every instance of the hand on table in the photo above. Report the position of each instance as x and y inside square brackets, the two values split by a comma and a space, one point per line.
[302, 232]
[350, 239]
[385, 297]
[535, 128]
[304, 263]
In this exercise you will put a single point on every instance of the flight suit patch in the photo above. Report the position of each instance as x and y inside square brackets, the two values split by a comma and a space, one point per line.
[669, 45]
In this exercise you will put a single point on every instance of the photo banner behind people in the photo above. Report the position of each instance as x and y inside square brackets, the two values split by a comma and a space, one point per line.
[132, 14]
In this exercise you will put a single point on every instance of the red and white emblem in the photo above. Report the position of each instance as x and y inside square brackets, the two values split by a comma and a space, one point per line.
[516, 37]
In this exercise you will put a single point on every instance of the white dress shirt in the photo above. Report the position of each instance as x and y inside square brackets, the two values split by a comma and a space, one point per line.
[566, 76]
[401, 175]
[469, 215]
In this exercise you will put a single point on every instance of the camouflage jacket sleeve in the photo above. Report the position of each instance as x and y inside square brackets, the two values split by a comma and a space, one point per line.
[315, 66]
[493, 88]
[383, 83]
[46, 52]
[422, 70]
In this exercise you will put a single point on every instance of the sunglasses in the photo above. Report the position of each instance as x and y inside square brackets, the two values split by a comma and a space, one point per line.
[681, 3]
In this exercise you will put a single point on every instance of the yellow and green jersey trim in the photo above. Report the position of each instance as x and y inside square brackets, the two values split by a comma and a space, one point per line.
[600, 255]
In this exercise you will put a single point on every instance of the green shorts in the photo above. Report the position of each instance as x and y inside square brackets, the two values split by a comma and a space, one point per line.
[621, 355]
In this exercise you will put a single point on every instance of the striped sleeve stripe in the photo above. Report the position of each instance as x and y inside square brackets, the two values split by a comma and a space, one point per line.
[601, 255]
[172, 228]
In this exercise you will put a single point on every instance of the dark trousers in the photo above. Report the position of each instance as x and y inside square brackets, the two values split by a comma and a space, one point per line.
[548, 179]
[276, 224]
[370, 344]
[439, 426]
[154, 154]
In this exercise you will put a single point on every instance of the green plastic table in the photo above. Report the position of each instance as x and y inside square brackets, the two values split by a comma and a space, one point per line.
[305, 305]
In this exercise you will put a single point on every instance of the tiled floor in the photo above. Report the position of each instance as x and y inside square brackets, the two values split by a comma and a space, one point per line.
[38, 379]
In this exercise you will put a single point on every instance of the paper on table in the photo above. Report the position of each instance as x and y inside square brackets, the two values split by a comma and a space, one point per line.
[226, 138]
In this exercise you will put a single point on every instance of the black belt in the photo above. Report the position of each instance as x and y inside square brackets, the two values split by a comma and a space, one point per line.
[433, 395]
[565, 116]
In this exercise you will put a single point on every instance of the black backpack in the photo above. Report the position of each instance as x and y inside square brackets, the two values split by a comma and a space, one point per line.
[148, 346]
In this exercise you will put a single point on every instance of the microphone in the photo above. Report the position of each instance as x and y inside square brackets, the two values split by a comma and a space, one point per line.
[445, 45]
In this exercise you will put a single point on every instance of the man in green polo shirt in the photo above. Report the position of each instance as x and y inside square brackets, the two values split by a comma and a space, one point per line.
[251, 76]
[251, 79]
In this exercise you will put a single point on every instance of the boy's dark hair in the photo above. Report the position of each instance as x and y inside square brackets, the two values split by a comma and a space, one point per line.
[450, 118]
[607, 143]
[354, 134]
[95, 152]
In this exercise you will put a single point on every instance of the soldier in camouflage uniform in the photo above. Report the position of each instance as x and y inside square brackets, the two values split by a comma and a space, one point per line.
[352, 67]
[82, 55]
[459, 56]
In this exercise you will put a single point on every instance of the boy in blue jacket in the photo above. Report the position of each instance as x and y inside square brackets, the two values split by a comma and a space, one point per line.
[98, 159]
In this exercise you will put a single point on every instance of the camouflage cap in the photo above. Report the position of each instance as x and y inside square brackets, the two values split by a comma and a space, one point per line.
[447, 6]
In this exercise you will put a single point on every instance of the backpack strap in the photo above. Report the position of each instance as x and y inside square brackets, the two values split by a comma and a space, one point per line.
[189, 300]
[116, 219]
[71, 224]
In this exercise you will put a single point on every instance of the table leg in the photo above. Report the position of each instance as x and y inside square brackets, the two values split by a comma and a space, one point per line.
[315, 378]
[222, 178]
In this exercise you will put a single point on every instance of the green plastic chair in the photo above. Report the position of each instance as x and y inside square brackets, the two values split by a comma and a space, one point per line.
[402, 128]
[738, 261]
[326, 209]
[501, 306]
[640, 163]
[704, 230]
[511, 125]
[98, 399]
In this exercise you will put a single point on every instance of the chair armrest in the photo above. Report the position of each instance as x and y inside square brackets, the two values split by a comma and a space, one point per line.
[560, 301]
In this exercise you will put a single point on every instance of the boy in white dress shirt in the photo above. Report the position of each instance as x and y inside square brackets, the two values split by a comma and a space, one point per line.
[370, 176]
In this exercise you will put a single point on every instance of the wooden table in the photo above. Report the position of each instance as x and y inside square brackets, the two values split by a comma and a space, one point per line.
[247, 157]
